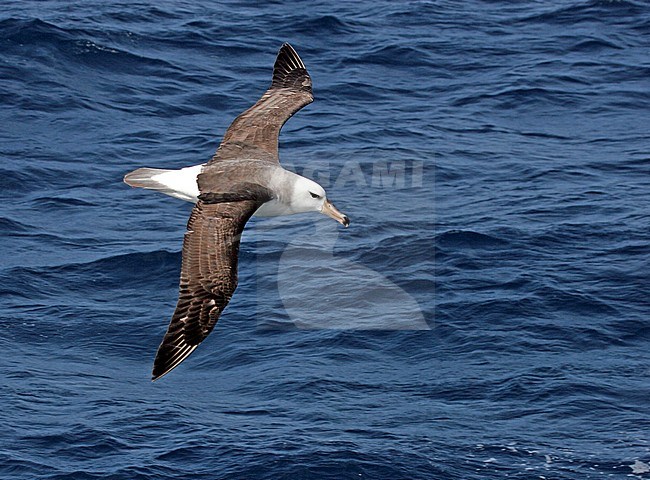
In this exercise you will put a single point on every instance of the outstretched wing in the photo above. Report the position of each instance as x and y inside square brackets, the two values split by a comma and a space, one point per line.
[208, 278]
[254, 133]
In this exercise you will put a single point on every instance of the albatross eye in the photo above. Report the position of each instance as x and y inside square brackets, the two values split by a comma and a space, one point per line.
[314, 195]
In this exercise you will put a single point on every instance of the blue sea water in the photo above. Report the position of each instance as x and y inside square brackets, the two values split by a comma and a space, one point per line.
[484, 317]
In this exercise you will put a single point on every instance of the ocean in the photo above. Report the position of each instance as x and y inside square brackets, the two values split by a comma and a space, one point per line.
[485, 316]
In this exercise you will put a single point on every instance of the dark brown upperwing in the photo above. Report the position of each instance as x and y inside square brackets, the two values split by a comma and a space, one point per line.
[254, 133]
[208, 278]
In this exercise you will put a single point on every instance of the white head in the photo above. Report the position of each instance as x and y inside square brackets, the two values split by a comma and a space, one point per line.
[308, 196]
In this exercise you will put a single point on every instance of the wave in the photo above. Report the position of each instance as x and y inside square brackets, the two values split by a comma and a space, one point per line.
[128, 271]
[470, 239]
[66, 45]
[593, 10]
[393, 55]
[324, 25]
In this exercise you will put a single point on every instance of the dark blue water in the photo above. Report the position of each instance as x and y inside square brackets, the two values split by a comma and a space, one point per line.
[485, 315]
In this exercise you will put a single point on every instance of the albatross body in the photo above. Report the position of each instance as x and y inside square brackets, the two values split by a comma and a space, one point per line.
[242, 179]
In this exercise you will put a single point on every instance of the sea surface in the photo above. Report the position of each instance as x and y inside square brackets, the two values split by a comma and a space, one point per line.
[485, 316]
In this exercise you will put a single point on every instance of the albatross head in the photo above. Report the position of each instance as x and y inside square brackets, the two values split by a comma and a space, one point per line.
[308, 196]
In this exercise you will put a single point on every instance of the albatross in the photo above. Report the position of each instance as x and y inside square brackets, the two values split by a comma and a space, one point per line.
[243, 178]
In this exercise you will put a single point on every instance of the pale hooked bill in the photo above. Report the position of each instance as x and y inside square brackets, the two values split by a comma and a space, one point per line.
[242, 179]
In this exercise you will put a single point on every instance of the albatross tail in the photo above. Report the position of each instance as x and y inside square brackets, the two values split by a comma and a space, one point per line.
[176, 183]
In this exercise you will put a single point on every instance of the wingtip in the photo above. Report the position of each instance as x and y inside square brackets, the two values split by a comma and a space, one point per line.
[158, 375]
[157, 372]
[289, 70]
[155, 376]
[288, 53]
[286, 46]
[168, 358]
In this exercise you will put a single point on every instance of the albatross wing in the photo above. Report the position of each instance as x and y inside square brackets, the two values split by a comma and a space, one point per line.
[254, 133]
[208, 278]
[225, 203]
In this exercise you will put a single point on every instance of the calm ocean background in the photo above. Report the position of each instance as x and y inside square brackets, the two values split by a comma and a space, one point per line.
[485, 316]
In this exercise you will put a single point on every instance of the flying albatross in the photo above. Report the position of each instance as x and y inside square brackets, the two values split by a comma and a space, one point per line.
[242, 179]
